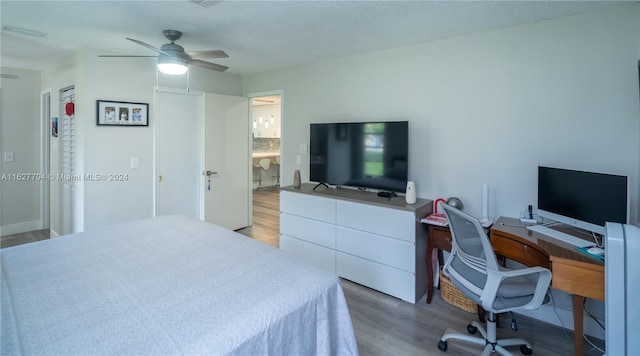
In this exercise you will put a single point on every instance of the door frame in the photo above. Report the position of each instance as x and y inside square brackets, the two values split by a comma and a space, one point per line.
[45, 159]
[251, 96]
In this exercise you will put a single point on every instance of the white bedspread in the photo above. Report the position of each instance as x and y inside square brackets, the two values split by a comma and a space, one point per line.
[168, 285]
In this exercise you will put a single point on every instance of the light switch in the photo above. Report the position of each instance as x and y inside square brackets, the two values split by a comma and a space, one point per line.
[8, 157]
[135, 162]
[303, 148]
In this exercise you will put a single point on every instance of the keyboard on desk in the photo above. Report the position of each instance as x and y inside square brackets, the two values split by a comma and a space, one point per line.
[570, 239]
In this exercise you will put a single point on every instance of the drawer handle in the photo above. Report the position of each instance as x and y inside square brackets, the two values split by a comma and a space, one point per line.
[526, 249]
[448, 239]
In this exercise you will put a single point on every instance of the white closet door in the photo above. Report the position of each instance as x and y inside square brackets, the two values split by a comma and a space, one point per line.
[68, 153]
[179, 120]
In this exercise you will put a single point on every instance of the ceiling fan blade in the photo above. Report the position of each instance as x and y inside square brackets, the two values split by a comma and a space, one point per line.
[216, 53]
[148, 46]
[124, 56]
[208, 65]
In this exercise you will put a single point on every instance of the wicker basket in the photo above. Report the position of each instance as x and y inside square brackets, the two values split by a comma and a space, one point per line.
[454, 296]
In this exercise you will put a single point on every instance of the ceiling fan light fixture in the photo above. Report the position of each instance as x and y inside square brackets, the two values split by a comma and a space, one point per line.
[171, 65]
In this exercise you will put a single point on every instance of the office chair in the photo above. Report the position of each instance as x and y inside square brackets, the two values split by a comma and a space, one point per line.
[473, 268]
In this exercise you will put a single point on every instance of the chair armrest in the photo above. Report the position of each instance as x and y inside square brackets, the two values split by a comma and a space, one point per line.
[496, 278]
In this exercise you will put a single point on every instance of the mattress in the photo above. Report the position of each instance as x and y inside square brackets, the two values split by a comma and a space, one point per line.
[168, 285]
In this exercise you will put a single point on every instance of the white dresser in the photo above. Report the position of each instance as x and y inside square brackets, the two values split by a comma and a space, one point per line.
[373, 241]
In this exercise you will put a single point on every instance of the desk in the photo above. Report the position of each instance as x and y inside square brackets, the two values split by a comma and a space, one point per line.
[572, 271]
[439, 237]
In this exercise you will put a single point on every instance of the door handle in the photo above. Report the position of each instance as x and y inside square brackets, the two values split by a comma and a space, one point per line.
[160, 179]
[210, 173]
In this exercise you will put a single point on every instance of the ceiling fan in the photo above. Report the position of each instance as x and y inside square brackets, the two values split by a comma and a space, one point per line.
[172, 58]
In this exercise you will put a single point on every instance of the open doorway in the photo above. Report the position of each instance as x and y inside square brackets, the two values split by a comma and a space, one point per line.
[266, 123]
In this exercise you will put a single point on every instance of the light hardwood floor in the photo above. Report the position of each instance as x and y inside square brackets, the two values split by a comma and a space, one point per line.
[265, 216]
[385, 325]
[23, 238]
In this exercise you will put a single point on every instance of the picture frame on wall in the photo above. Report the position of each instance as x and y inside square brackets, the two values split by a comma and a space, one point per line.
[121, 113]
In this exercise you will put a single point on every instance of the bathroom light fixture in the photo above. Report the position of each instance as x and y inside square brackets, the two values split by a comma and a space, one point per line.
[260, 119]
[272, 119]
[171, 65]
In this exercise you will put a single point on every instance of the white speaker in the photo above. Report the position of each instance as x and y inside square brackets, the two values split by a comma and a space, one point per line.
[486, 220]
[485, 202]
[410, 194]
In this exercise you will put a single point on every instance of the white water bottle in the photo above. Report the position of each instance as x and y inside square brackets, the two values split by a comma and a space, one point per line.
[410, 194]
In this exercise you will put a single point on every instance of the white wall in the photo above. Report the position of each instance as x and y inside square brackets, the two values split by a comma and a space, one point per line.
[106, 150]
[20, 113]
[486, 108]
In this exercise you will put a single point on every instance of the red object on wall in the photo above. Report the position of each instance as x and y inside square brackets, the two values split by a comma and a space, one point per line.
[69, 109]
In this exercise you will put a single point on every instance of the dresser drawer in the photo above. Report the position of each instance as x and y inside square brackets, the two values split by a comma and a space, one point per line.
[317, 208]
[394, 223]
[392, 252]
[309, 230]
[389, 280]
[314, 254]
[527, 254]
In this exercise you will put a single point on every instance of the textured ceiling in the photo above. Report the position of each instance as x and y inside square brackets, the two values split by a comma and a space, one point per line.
[258, 35]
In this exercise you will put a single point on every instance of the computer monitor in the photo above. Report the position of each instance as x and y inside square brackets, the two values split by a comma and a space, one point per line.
[586, 200]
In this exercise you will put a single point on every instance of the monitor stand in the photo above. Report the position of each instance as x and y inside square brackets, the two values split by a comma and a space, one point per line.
[320, 184]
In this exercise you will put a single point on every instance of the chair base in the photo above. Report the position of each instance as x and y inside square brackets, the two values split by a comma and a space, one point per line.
[488, 339]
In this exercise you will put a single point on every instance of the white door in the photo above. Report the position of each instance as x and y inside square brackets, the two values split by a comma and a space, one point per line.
[179, 121]
[226, 188]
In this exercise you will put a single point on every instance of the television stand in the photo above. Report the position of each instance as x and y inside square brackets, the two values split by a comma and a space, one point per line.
[387, 195]
[320, 184]
[371, 241]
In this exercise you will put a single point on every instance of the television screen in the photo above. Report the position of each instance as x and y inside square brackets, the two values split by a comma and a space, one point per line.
[583, 199]
[360, 154]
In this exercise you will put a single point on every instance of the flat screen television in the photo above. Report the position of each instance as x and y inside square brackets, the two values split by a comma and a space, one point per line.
[586, 200]
[360, 154]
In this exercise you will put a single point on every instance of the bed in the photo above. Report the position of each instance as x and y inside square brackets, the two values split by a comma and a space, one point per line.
[168, 285]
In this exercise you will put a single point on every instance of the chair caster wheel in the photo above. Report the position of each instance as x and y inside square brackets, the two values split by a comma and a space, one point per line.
[471, 329]
[525, 350]
[442, 345]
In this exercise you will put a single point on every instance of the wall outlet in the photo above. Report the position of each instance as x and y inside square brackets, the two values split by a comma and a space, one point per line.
[303, 148]
[298, 159]
[135, 162]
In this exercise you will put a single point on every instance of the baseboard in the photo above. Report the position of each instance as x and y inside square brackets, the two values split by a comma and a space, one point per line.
[19, 228]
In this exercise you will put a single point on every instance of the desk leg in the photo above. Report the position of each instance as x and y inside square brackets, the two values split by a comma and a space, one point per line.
[429, 262]
[578, 306]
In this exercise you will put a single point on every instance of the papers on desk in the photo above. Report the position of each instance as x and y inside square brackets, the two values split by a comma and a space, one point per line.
[435, 219]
